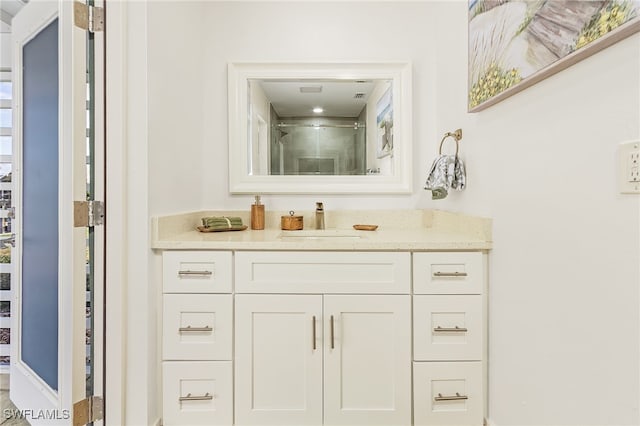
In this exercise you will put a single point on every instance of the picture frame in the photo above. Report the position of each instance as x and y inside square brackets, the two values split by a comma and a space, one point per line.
[514, 44]
[384, 124]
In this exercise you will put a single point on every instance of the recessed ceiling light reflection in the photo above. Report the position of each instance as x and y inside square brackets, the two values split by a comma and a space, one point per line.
[318, 110]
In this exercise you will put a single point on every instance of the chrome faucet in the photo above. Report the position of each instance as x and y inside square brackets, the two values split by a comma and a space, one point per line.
[319, 216]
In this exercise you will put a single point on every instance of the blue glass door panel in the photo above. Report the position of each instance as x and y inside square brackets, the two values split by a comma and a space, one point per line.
[39, 348]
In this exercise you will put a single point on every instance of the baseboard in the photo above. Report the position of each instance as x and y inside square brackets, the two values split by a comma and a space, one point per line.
[158, 422]
[4, 381]
[489, 422]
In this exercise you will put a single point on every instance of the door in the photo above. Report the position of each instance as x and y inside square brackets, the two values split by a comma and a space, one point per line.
[55, 358]
[278, 360]
[367, 360]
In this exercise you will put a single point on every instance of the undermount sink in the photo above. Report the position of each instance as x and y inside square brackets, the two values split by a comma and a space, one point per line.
[320, 234]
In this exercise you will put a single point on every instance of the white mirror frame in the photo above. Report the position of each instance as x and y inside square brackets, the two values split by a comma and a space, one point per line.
[241, 182]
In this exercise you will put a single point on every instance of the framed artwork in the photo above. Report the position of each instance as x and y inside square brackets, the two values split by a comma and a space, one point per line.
[514, 44]
[384, 124]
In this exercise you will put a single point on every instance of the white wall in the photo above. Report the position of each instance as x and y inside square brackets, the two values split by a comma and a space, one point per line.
[175, 122]
[260, 108]
[176, 115]
[564, 323]
[303, 31]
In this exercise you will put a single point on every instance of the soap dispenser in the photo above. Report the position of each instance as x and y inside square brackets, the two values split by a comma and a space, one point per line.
[257, 214]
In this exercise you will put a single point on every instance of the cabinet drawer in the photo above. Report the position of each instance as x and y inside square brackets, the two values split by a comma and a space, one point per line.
[448, 273]
[197, 393]
[196, 272]
[447, 328]
[323, 272]
[447, 393]
[197, 327]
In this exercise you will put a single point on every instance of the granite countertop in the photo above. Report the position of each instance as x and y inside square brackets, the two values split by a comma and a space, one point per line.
[399, 230]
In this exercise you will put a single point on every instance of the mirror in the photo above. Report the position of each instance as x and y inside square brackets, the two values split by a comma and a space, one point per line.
[320, 128]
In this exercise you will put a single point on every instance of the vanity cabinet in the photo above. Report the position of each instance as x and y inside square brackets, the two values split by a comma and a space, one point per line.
[323, 355]
[304, 358]
[197, 330]
[324, 337]
[448, 338]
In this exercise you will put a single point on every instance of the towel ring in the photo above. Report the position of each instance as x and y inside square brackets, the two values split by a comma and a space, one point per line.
[457, 135]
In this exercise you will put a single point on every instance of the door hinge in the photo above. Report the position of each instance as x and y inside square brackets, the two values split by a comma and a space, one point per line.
[88, 410]
[88, 213]
[87, 17]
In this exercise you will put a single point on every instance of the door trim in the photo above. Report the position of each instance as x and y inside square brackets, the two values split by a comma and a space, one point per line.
[116, 212]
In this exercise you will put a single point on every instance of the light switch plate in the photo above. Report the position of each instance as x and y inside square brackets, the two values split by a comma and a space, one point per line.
[629, 167]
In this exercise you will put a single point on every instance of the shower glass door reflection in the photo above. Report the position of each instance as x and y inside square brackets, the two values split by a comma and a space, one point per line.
[303, 148]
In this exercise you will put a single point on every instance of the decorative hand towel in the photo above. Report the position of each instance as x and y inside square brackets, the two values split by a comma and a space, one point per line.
[447, 172]
[222, 222]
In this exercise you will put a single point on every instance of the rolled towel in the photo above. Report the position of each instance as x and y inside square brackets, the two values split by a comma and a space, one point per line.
[222, 222]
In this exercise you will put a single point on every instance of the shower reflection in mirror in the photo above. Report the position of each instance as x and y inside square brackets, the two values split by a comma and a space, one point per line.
[333, 146]
[317, 127]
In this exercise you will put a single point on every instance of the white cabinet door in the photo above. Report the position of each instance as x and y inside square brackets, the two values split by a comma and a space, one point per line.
[367, 347]
[278, 360]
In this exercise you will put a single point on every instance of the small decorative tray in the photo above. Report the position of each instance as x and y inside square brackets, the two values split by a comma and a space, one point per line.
[365, 227]
[209, 229]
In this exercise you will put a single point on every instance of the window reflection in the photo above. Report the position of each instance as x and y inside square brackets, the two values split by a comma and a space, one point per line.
[5, 117]
[5, 89]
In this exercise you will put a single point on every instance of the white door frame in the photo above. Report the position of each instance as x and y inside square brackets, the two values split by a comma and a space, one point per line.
[115, 195]
[127, 393]
[132, 394]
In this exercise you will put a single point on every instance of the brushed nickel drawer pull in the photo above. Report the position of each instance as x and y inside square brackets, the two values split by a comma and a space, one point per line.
[456, 397]
[313, 334]
[205, 397]
[455, 329]
[333, 345]
[189, 328]
[195, 273]
[449, 274]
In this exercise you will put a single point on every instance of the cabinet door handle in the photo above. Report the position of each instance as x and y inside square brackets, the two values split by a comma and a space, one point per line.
[313, 334]
[333, 344]
[455, 329]
[449, 274]
[195, 273]
[189, 328]
[205, 397]
[456, 397]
